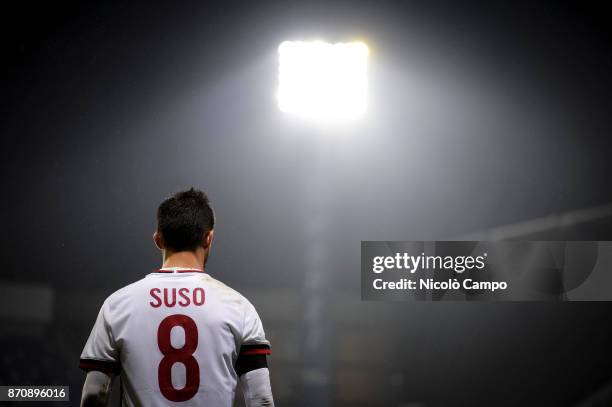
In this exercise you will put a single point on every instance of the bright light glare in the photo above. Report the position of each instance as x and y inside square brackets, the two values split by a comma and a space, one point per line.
[322, 81]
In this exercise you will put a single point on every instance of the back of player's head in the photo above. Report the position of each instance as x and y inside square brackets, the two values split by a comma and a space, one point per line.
[184, 219]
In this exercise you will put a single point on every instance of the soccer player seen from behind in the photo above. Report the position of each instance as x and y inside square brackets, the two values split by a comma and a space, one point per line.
[178, 337]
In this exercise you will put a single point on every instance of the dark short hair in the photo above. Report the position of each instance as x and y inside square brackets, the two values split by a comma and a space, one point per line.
[184, 219]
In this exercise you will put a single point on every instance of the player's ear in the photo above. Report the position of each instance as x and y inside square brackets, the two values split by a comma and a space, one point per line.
[157, 239]
[208, 238]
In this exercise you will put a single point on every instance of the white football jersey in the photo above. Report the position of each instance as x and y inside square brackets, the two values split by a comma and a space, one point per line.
[175, 336]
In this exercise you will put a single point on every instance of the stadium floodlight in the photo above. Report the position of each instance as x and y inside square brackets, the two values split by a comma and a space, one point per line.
[322, 81]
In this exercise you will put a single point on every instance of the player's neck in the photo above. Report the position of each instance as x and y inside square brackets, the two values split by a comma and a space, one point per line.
[186, 259]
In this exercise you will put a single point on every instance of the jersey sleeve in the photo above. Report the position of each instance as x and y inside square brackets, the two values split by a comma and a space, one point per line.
[253, 333]
[254, 346]
[101, 352]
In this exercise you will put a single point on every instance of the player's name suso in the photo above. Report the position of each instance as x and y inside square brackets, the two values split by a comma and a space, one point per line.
[172, 297]
[431, 284]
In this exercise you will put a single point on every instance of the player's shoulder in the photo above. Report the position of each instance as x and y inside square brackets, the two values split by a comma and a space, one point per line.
[227, 292]
[222, 288]
[124, 293]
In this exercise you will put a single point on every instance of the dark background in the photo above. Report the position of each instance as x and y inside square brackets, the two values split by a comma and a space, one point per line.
[481, 114]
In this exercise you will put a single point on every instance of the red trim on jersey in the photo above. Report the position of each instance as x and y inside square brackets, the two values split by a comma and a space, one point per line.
[252, 357]
[105, 366]
[179, 271]
[255, 350]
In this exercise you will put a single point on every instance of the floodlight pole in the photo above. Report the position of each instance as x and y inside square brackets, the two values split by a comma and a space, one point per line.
[314, 82]
[318, 342]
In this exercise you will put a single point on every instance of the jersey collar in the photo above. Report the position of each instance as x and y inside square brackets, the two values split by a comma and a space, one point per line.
[170, 270]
